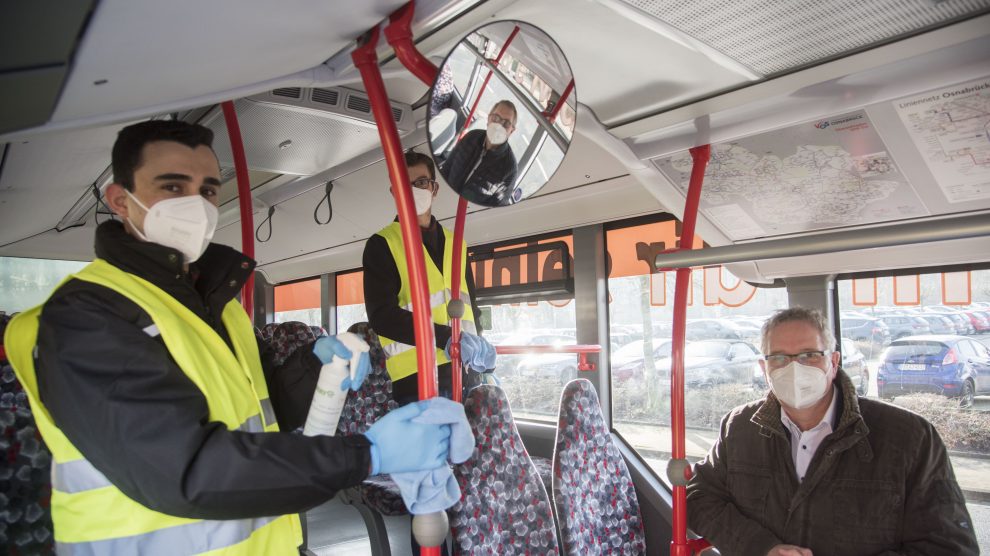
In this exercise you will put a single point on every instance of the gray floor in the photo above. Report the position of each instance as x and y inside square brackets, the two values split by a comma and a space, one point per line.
[335, 529]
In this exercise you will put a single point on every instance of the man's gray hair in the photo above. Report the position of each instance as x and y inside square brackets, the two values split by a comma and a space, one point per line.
[813, 317]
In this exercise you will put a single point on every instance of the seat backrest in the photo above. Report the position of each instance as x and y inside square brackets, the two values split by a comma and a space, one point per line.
[504, 508]
[319, 331]
[268, 330]
[592, 489]
[288, 337]
[374, 399]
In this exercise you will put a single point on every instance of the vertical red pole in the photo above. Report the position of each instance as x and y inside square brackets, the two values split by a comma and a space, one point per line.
[552, 116]
[366, 60]
[455, 293]
[474, 105]
[679, 545]
[244, 199]
[399, 36]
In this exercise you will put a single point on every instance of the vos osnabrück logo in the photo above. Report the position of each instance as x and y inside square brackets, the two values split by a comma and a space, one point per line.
[822, 124]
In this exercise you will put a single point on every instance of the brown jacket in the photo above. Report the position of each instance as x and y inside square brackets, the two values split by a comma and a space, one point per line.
[881, 484]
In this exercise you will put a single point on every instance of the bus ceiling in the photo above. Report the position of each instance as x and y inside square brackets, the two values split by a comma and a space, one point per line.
[744, 78]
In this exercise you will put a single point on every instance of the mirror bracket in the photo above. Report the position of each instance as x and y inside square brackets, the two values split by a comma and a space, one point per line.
[399, 36]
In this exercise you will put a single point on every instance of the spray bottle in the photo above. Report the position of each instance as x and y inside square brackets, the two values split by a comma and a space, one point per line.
[328, 400]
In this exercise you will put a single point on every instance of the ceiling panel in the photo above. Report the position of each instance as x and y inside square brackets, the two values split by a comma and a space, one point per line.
[772, 37]
[44, 176]
[127, 59]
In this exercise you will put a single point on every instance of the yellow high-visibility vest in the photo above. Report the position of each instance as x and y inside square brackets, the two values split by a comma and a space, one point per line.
[401, 360]
[90, 514]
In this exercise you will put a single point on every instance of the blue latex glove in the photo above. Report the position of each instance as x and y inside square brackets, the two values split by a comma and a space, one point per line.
[361, 373]
[326, 347]
[476, 353]
[399, 444]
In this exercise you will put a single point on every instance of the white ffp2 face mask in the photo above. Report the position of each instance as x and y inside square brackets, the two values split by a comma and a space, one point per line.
[496, 134]
[185, 224]
[798, 386]
[423, 198]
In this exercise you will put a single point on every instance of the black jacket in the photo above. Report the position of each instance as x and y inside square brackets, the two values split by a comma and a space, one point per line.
[485, 177]
[122, 401]
[880, 484]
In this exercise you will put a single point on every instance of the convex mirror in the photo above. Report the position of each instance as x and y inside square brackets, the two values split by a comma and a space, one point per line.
[502, 113]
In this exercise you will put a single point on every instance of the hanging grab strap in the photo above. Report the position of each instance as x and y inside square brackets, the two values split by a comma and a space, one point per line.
[268, 219]
[326, 197]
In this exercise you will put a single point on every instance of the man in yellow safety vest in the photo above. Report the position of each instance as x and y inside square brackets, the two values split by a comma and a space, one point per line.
[159, 405]
[387, 291]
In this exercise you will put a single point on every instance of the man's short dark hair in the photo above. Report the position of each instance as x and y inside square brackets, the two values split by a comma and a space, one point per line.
[126, 155]
[508, 104]
[414, 158]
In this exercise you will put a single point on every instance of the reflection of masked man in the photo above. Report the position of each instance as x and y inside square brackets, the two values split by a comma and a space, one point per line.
[482, 167]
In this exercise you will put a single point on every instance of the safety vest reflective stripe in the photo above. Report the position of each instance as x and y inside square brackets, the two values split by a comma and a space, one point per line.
[398, 347]
[190, 538]
[80, 475]
[77, 476]
[269, 413]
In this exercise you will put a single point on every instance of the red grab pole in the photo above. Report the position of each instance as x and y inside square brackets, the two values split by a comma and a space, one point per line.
[552, 116]
[399, 37]
[455, 293]
[366, 61]
[244, 199]
[474, 105]
[678, 471]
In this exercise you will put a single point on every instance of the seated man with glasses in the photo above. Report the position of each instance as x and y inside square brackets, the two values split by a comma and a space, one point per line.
[481, 167]
[813, 469]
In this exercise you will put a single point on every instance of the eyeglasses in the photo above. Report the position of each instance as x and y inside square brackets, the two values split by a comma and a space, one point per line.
[424, 183]
[811, 358]
[495, 118]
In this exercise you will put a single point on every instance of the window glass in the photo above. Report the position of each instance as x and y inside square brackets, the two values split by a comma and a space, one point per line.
[25, 283]
[724, 316]
[298, 301]
[350, 300]
[928, 360]
[532, 382]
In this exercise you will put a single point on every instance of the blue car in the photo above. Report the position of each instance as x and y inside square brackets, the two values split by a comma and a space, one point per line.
[953, 366]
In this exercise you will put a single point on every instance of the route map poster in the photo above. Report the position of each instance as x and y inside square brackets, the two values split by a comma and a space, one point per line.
[950, 127]
[828, 173]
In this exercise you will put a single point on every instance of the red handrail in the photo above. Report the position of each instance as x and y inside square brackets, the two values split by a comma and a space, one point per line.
[244, 200]
[366, 60]
[678, 470]
[455, 293]
[399, 37]
[582, 350]
[552, 115]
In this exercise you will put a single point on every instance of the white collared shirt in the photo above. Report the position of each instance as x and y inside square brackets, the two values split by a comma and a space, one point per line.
[805, 444]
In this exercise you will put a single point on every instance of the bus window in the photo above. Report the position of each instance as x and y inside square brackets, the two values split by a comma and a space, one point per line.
[925, 339]
[533, 382]
[25, 283]
[298, 301]
[350, 299]
[722, 353]
[527, 291]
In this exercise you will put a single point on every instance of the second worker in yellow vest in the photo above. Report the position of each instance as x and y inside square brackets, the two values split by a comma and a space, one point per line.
[387, 298]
